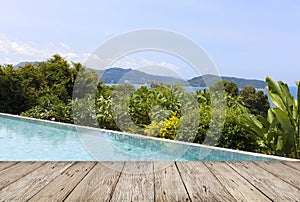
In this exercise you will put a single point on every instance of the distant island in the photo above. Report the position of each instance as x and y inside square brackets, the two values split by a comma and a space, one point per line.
[25, 63]
[208, 80]
[117, 75]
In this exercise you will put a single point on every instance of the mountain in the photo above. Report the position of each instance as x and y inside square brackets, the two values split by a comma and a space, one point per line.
[119, 75]
[211, 79]
[25, 63]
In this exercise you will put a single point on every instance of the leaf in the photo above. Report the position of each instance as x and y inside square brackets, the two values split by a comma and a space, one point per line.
[270, 116]
[298, 117]
[284, 120]
[287, 97]
[265, 122]
[298, 96]
[254, 125]
[288, 135]
[272, 86]
[275, 93]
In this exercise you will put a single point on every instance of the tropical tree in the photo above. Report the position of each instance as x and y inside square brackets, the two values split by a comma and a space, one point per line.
[229, 87]
[233, 135]
[279, 131]
[256, 101]
[13, 95]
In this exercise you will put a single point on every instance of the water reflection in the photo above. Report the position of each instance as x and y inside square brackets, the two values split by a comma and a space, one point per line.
[23, 139]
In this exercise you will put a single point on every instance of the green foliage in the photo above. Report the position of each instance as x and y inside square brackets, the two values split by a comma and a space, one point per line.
[155, 103]
[279, 132]
[10, 91]
[208, 80]
[203, 98]
[120, 108]
[84, 112]
[58, 77]
[233, 135]
[189, 128]
[230, 88]
[256, 102]
[140, 105]
[104, 115]
[154, 128]
[193, 126]
[104, 90]
[50, 107]
[86, 82]
[21, 88]
[198, 127]
[170, 128]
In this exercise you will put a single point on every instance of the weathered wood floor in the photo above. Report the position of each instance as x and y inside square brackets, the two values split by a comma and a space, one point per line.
[149, 181]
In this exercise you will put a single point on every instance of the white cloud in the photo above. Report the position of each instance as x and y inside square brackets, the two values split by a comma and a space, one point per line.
[149, 66]
[8, 47]
[15, 51]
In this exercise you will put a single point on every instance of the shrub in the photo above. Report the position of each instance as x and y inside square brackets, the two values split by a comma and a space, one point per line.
[154, 128]
[170, 128]
[234, 136]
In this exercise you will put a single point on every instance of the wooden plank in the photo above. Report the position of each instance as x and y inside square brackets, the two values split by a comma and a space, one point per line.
[4, 165]
[272, 186]
[29, 185]
[201, 184]
[295, 165]
[99, 184]
[282, 171]
[60, 187]
[138, 168]
[136, 183]
[239, 188]
[168, 183]
[16, 172]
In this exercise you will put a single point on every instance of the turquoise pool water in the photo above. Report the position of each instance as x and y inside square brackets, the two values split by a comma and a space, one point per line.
[23, 139]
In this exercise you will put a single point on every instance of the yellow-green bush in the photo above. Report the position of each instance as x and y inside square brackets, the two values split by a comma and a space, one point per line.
[154, 128]
[170, 128]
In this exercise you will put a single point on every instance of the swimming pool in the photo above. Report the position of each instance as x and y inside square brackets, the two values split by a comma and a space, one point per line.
[26, 139]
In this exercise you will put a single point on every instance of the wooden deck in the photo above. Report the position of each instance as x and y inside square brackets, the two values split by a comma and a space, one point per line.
[149, 181]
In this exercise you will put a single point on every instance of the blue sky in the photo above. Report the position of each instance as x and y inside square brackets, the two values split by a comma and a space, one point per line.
[249, 39]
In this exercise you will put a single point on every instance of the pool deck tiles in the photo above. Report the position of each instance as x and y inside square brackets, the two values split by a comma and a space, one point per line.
[149, 181]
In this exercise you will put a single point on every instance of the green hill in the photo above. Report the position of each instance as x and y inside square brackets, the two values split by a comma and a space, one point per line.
[119, 75]
[208, 80]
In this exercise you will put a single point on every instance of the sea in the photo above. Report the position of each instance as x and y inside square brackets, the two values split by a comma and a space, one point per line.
[293, 89]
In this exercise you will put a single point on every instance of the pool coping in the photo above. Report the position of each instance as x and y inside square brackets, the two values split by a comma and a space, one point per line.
[154, 138]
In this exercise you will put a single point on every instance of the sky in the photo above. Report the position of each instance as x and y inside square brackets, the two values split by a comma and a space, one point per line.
[248, 39]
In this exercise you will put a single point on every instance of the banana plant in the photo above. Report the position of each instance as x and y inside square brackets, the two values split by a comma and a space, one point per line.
[278, 133]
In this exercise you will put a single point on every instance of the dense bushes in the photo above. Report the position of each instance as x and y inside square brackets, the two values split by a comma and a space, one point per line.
[256, 102]
[234, 136]
[30, 87]
[50, 107]
[16, 94]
